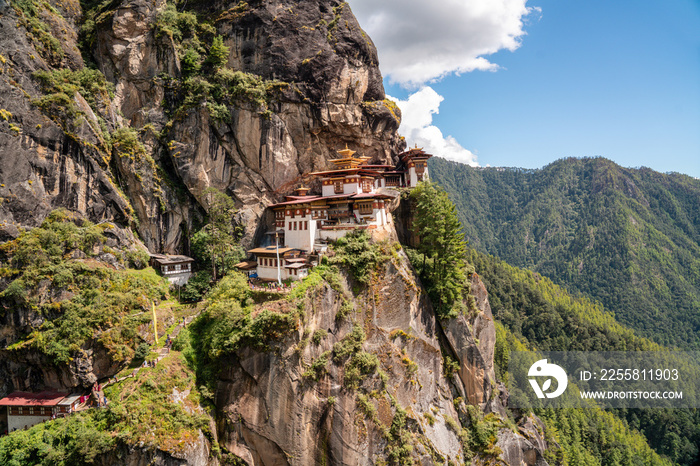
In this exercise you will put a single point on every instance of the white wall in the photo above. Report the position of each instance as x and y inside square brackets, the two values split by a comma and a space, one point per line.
[351, 188]
[327, 190]
[179, 279]
[299, 239]
[412, 176]
[15, 422]
[270, 272]
[379, 217]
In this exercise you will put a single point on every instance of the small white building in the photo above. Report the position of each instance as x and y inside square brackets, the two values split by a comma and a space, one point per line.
[415, 166]
[177, 269]
[25, 409]
[273, 262]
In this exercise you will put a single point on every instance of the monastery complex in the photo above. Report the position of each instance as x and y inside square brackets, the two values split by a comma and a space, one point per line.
[354, 195]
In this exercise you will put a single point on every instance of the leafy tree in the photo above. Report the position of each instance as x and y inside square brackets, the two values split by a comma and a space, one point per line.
[217, 243]
[442, 244]
[196, 287]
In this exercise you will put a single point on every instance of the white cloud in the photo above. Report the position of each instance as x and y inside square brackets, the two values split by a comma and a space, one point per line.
[421, 41]
[417, 127]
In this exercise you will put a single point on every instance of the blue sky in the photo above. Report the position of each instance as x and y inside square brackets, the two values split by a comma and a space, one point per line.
[618, 79]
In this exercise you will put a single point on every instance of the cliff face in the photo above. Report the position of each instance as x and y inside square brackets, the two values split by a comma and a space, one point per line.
[286, 417]
[329, 94]
[43, 167]
[304, 400]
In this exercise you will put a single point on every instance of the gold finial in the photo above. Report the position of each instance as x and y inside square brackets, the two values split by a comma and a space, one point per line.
[346, 152]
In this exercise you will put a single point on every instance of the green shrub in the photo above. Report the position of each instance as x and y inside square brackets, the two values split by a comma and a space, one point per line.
[351, 343]
[355, 252]
[218, 53]
[104, 302]
[360, 365]
[59, 88]
[191, 62]
[319, 335]
[77, 439]
[318, 367]
[142, 351]
[228, 324]
[197, 286]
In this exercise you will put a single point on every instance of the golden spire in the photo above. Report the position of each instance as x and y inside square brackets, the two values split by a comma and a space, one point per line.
[346, 152]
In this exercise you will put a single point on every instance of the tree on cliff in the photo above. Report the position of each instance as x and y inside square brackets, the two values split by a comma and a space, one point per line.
[442, 244]
[217, 242]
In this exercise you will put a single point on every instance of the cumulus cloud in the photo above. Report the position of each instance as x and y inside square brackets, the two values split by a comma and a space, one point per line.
[421, 41]
[417, 126]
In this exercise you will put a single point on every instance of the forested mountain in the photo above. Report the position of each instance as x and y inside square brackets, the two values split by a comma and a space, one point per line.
[534, 311]
[629, 238]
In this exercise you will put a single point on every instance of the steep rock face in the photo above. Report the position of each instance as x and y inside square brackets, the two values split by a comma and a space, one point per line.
[276, 411]
[334, 98]
[274, 414]
[196, 453]
[472, 341]
[42, 167]
[131, 55]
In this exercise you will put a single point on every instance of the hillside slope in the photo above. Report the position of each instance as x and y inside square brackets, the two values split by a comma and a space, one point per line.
[534, 313]
[629, 238]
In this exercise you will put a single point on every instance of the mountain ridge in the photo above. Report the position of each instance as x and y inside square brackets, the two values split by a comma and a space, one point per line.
[596, 228]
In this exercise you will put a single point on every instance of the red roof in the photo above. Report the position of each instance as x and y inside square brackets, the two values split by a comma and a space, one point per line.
[44, 398]
[311, 199]
[347, 171]
[305, 200]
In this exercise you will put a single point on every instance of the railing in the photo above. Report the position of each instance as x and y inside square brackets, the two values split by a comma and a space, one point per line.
[337, 214]
[174, 272]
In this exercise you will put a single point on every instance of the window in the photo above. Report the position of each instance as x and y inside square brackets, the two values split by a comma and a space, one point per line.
[306, 224]
[290, 226]
[295, 226]
[338, 185]
[19, 410]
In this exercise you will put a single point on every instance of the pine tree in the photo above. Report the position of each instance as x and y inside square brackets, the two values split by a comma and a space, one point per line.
[442, 244]
[218, 53]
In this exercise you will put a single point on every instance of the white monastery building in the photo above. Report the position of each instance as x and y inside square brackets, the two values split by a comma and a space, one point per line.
[353, 196]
